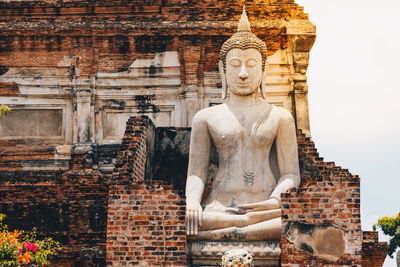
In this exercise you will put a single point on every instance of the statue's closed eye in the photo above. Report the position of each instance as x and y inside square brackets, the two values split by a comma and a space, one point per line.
[235, 62]
[251, 63]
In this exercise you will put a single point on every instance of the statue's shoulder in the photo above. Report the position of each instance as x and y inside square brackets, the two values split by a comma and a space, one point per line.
[282, 113]
[208, 112]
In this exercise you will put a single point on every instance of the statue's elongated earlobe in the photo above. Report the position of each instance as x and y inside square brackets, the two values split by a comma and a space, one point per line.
[263, 86]
[223, 80]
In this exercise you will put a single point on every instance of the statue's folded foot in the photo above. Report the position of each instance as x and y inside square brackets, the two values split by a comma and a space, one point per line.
[230, 233]
[267, 230]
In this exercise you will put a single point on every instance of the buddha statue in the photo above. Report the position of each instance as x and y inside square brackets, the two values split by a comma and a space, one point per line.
[244, 200]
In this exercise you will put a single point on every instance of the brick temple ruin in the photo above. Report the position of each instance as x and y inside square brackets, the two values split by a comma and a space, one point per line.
[95, 150]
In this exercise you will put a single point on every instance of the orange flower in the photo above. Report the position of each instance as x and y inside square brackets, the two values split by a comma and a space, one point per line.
[13, 241]
[26, 258]
[13, 237]
[17, 233]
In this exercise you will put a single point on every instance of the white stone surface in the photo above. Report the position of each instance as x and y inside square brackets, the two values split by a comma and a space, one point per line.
[244, 199]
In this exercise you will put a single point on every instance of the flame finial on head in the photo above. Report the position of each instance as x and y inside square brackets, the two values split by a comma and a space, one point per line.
[244, 39]
[244, 24]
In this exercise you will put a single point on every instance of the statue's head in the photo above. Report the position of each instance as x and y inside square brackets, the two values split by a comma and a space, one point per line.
[243, 61]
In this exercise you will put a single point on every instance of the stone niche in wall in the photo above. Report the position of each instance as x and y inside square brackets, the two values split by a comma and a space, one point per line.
[41, 104]
[33, 123]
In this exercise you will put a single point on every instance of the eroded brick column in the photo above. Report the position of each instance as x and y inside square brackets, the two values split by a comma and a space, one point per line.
[191, 81]
[373, 252]
[146, 218]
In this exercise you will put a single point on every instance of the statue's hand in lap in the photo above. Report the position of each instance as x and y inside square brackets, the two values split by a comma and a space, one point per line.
[269, 204]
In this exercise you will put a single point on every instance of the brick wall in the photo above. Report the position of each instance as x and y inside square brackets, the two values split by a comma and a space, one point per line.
[134, 219]
[146, 218]
[71, 206]
[328, 196]
[68, 206]
[373, 252]
[191, 59]
[9, 89]
[108, 36]
[12, 155]
[146, 225]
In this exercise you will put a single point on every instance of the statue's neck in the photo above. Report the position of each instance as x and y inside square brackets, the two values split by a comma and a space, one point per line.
[243, 100]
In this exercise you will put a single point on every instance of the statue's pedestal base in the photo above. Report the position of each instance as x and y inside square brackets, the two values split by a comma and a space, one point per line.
[209, 253]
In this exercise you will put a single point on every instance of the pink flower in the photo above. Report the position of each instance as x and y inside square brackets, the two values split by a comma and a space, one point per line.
[30, 246]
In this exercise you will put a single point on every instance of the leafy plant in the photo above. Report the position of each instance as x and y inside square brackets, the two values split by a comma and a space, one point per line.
[4, 110]
[19, 249]
[390, 226]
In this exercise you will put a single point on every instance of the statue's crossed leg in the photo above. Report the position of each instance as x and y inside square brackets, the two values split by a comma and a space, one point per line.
[250, 226]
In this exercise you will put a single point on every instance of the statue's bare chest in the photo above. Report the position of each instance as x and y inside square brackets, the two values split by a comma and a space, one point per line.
[256, 128]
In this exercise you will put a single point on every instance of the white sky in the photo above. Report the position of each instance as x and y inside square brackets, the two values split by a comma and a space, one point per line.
[354, 96]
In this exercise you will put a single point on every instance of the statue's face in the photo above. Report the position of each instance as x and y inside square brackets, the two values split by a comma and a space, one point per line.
[243, 71]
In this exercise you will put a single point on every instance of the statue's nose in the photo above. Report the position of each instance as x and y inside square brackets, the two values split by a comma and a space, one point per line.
[243, 75]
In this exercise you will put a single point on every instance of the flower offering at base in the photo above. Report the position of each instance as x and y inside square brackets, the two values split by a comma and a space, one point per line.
[237, 258]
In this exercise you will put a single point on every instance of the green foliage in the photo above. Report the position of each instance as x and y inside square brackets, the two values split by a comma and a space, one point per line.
[390, 226]
[4, 110]
[19, 249]
[3, 227]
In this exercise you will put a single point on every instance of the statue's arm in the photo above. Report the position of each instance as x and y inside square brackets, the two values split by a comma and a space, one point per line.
[288, 161]
[199, 155]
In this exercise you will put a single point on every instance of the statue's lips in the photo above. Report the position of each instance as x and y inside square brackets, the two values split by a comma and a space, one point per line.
[244, 85]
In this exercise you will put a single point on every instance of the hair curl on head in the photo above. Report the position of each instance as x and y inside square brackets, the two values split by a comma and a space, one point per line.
[244, 39]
